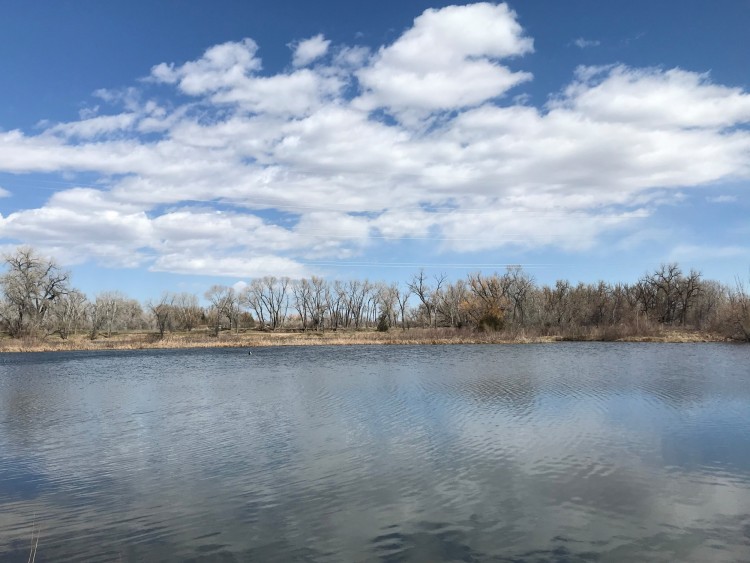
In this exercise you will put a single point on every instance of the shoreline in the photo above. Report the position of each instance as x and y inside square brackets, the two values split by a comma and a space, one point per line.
[395, 337]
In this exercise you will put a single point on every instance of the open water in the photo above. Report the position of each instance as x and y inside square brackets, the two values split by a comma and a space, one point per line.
[560, 452]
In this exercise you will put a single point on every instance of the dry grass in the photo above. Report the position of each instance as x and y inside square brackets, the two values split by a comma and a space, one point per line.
[679, 336]
[202, 339]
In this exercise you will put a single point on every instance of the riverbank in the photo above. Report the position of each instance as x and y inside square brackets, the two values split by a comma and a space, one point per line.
[414, 336]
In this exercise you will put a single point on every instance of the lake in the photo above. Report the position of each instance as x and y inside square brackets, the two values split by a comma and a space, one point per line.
[545, 452]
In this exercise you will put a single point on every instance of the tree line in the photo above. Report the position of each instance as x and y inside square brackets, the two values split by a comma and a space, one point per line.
[38, 300]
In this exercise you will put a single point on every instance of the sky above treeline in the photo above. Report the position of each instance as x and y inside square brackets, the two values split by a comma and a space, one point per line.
[173, 145]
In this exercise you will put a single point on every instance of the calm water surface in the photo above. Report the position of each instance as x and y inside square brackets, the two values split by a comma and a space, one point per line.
[563, 452]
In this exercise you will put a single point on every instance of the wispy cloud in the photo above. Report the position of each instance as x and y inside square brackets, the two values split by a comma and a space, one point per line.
[633, 38]
[722, 199]
[583, 43]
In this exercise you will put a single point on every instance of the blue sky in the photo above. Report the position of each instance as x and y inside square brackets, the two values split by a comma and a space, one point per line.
[155, 146]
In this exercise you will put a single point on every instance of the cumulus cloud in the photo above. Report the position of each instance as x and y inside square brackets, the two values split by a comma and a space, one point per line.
[310, 50]
[447, 60]
[265, 172]
[655, 97]
[227, 74]
[220, 66]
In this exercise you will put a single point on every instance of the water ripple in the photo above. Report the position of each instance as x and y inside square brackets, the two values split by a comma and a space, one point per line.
[562, 452]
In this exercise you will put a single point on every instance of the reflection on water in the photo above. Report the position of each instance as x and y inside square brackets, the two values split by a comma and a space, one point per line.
[564, 452]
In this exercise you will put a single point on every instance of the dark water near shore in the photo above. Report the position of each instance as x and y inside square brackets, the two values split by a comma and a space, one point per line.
[560, 452]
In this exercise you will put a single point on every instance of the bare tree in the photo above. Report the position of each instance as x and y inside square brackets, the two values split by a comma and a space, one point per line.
[517, 285]
[488, 303]
[420, 287]
[402, 299]
[318, 301]
[668, 294]
[68, 313]
[252, 297]
[302, 292]
[372, 305]
[235, 308]
[132, 316]
[665, 283]
[276, 299]
[267, 297]
[187, 311]
[163, 312]
[339, 313]
[386, 296]
[646, 296]
[709, 303]
[556, 304]
[29, 287]
[739, 306]
[220, 298]
[690, 288]
[107, 311]
[448, 303]
[355, 296]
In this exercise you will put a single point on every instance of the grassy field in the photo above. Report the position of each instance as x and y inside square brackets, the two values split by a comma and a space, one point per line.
[202, 339]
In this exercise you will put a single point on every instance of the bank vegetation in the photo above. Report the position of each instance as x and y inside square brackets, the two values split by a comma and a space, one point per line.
[41, 310]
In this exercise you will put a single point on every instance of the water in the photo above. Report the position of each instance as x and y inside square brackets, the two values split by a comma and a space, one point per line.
[561, 452]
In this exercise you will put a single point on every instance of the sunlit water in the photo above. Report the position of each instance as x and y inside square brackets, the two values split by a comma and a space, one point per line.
[562, 452]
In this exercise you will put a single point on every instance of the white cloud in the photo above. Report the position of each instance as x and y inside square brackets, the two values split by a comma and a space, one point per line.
[239, 286]
[447, 60]
[94, 126]
[88, 113]
[351, 57]
[128, 97]
[260, 172]
[227, 74]
[4, 192]
[722, 199]
[220, 67]
[654, 97]
[230, 266]
[296, 94]
[310, 50]
[582, 43]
